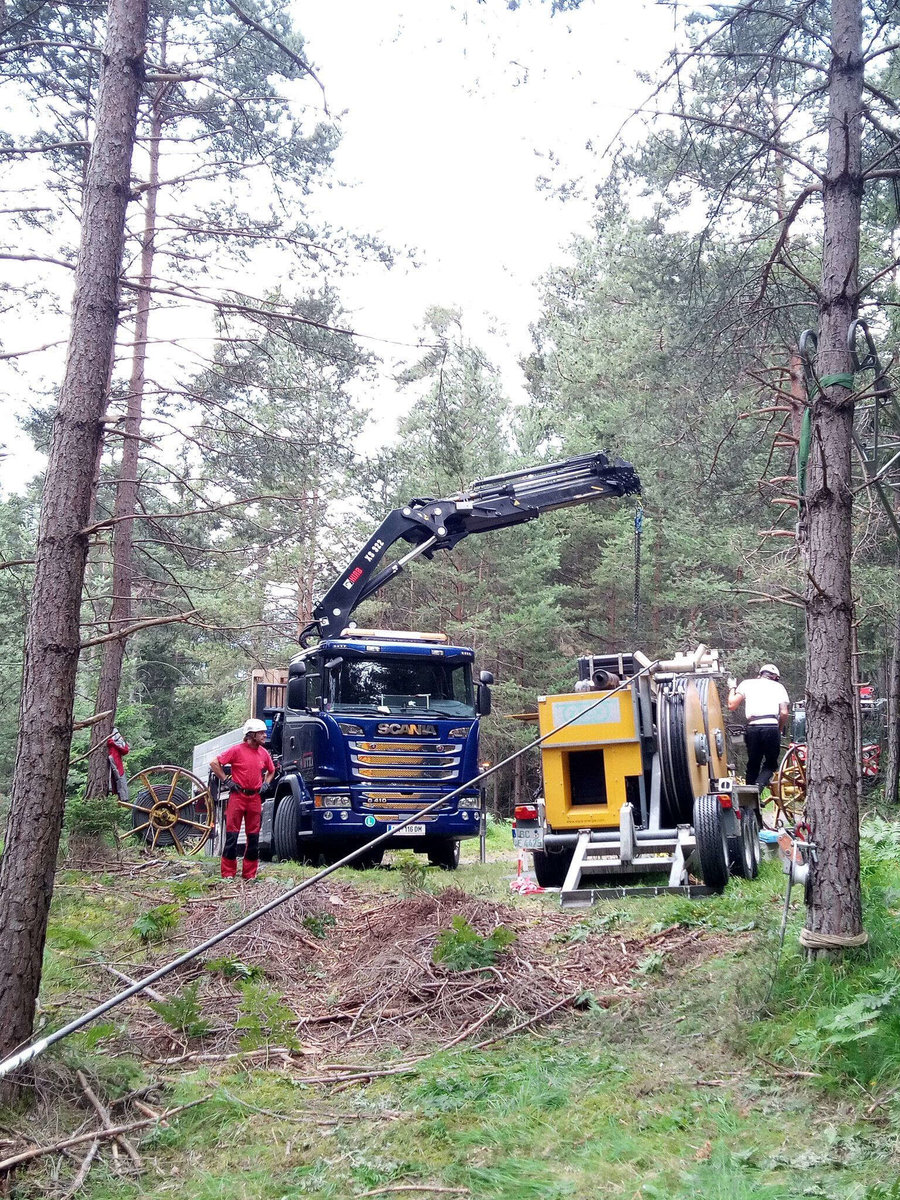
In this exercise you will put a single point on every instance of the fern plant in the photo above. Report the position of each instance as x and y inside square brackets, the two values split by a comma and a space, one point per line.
[156, 923]
[265, 1019]
[183, 1013]
[230, 967]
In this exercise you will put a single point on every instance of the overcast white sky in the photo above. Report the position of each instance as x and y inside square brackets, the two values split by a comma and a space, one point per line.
[451, 113]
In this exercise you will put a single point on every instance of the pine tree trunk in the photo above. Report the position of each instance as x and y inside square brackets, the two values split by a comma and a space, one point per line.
[52, 634]
[110, 681]
[836, 906]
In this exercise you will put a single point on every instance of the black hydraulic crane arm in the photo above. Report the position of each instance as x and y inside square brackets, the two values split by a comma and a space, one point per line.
[493, 503]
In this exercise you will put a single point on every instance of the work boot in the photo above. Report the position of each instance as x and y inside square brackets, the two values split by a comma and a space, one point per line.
[764, 778]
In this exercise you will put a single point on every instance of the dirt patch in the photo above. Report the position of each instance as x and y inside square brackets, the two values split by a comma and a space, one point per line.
[339, 972]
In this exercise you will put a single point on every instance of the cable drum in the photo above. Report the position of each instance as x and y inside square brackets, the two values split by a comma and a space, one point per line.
[686, 748]
[714, 726]
[677, 793]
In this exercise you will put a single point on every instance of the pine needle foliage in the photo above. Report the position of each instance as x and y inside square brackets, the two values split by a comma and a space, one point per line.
[462, 948]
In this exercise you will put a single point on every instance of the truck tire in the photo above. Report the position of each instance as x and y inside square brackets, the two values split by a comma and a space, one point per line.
[551, 869]
[444, 854]
[712, 849]
[285, 842]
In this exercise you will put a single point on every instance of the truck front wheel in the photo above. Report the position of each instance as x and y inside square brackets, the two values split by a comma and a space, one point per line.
[285, 842]
[444, 854]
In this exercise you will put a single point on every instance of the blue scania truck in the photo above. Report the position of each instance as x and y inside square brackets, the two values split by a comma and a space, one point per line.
[373, 725]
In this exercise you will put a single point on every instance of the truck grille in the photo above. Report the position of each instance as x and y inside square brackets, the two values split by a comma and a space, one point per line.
[406, 762]
[390, 806]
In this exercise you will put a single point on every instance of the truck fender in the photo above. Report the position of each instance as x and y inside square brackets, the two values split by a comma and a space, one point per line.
[294, 785]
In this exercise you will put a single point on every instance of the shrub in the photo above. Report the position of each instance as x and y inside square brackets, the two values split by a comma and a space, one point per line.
[154, 924]
[461, 947]
[93, 818]
[318, 924]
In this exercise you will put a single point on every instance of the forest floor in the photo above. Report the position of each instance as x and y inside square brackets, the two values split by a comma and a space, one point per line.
[409, 1032]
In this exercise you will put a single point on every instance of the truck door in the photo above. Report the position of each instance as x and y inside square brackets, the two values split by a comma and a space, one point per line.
[303, 728]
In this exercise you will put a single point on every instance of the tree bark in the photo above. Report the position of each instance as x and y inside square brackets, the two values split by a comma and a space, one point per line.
[120, 615]
[836, 906]
[52, 633]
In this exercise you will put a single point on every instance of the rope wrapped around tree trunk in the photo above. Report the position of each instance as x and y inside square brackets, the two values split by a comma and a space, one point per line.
[810, 940]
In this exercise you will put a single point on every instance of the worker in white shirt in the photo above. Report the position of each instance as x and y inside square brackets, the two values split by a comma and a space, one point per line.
[766, 707]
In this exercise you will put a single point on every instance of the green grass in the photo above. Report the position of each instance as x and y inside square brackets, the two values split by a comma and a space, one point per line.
[692, 1088]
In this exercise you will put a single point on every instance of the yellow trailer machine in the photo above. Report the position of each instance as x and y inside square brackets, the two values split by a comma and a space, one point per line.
[636, 782]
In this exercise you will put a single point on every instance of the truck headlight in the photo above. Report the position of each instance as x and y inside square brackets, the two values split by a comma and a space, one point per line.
[350, 730]
[333, 801]
[337, 801]
[461, 732]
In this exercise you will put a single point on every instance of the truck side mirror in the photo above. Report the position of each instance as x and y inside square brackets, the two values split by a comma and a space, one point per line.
[296, 691]
[483, 697]
[486, 676]
[297, 670]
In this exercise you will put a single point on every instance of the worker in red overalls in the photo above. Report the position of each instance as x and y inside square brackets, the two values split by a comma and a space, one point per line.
[251, 767]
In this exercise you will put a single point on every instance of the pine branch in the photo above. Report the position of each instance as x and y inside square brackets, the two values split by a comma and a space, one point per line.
[276, 41]
[192, 512]
[130, 629]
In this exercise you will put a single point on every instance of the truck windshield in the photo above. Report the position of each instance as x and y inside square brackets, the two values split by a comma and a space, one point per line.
[404, 685]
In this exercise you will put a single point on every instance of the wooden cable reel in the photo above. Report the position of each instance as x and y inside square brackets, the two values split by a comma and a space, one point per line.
[788, 790]
[171, 808]
[691, 744]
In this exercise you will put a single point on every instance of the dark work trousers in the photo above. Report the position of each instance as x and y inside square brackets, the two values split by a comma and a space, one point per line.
[249, 810]
[763, 746]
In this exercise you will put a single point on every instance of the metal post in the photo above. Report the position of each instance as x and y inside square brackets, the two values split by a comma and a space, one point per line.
[482, 833]
[482, 817]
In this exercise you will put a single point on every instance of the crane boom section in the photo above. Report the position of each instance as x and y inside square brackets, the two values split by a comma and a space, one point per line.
[492, 503]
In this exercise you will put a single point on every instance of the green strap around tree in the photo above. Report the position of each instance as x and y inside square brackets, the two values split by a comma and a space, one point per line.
[843, 379]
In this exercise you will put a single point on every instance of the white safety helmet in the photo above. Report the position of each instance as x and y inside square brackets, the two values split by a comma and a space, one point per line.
[770, 669]
[254, 725]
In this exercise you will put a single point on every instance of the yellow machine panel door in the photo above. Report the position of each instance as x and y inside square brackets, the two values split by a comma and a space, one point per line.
[588, 764]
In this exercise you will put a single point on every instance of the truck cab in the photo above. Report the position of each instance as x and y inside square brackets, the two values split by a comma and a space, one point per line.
[375, 725]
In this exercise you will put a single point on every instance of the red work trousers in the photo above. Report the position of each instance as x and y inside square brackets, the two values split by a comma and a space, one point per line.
[249, 810]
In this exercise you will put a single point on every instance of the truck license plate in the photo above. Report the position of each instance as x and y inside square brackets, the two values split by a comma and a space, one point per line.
[409, 831]
[528, 839]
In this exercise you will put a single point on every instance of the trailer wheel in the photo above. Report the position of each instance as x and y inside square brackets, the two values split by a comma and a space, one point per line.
[751, 840]
[551, 869]
[741, 862]
[711, 842]
[285, 842]
[444, 854]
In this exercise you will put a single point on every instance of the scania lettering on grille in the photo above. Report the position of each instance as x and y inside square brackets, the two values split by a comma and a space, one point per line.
[395, 729]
